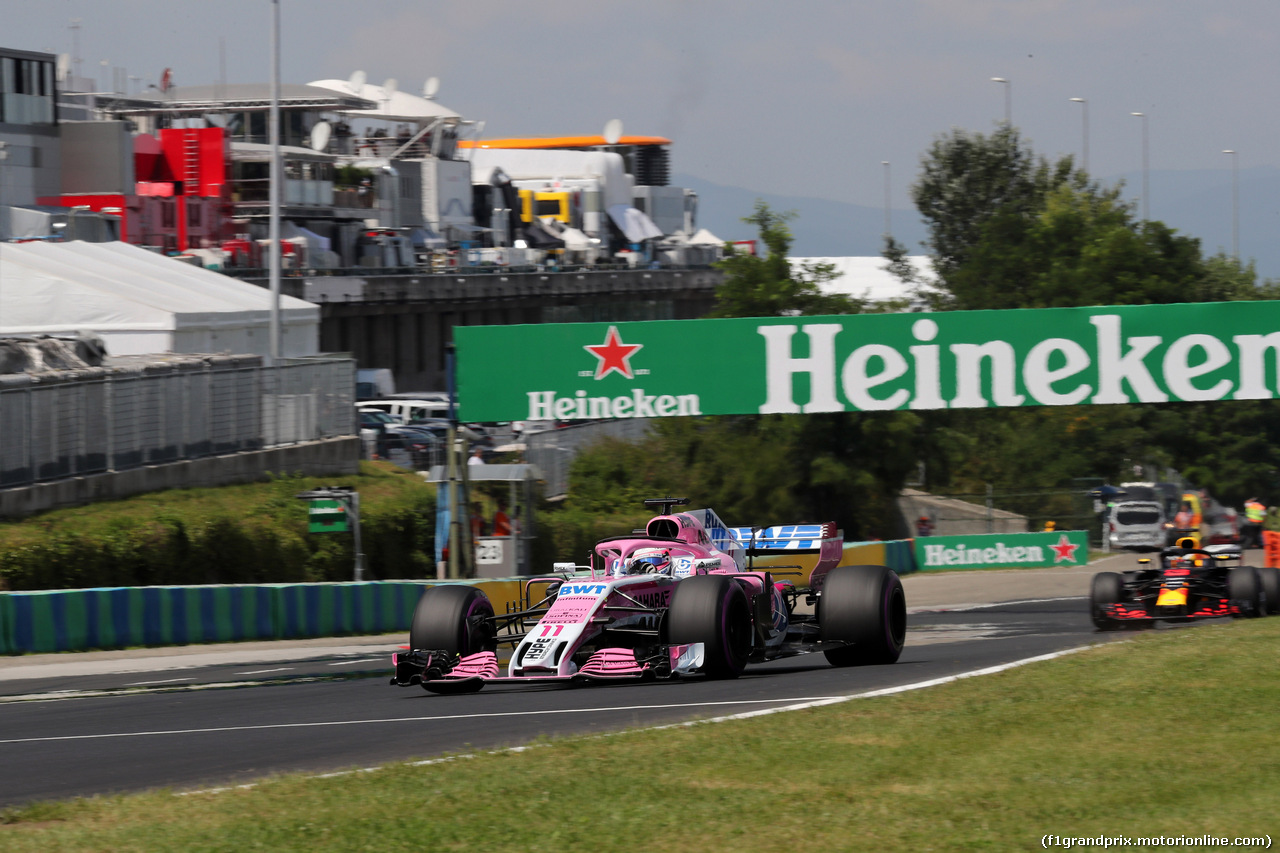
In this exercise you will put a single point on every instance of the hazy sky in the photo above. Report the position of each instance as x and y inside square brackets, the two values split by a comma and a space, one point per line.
[799, 98]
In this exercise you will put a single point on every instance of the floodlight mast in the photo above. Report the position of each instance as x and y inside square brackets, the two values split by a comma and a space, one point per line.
[461, 560]
[273, 214]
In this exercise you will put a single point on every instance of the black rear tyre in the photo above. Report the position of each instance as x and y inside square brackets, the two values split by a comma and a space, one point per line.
[455, 618]
[1107, 588]
[1244, 588]
[712, 610]
[1270, 580]
[866, 607]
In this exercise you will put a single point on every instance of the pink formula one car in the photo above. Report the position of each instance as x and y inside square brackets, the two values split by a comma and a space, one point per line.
[683, 596]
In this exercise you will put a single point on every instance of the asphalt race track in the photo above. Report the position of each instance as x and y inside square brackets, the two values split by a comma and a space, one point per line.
[334, 710]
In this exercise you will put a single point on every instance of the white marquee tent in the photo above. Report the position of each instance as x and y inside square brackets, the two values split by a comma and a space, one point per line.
[868, 277]
[393, 105]
[142, 303]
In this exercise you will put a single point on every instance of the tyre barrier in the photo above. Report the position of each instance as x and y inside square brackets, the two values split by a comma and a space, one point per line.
[124, 617]
[72, 620]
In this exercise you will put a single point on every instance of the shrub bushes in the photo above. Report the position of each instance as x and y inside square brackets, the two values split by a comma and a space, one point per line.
[238, 534]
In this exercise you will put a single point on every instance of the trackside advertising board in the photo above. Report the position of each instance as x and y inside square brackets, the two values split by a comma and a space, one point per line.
[870, 362]
[1002, 550]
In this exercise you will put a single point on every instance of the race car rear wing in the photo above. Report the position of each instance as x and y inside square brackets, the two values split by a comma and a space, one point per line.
[825, 540]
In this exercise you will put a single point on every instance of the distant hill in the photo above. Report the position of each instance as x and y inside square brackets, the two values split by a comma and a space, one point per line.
[1196, 203]
[821, 228]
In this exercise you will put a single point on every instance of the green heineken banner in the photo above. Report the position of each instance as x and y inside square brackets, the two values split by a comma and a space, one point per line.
[870, 362]
[1003, 550]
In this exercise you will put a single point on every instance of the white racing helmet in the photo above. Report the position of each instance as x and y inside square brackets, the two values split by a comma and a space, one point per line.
[647, 561]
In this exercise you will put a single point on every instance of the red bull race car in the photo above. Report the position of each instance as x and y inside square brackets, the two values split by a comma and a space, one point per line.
[1186, 583]
[686, 595]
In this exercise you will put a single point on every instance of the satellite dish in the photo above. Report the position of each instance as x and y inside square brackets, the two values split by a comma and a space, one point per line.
[64, 66]
[389, 87]
[356, 81]
[320, 135]
[430, 87]
[613, 131]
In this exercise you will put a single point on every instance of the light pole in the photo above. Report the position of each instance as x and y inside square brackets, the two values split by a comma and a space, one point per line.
[273, 197]
[1008, 99]
[1235, 203]
[887, 231]
[1146, 186]
[1085, 133]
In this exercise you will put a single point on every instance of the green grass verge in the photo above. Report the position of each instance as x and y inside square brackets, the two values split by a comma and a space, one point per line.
[249, 533]
[1174, 733]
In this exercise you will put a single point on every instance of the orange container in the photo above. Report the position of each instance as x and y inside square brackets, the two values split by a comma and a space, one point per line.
[1271, 546]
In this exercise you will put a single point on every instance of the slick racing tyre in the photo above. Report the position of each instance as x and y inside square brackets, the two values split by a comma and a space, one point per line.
[1244, 588]
[1270, 580]
[454, 618]
[866, 607]
[1107, 588]
[712, 610]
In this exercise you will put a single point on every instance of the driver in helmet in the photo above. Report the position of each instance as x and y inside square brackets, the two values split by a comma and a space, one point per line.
[647, 561]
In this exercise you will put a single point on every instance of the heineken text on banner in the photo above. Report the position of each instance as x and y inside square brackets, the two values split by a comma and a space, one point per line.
[1002, 550]
[870, 362]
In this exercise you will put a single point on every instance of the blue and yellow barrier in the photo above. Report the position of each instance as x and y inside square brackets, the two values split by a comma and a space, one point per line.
[122, 617]
[79, 619]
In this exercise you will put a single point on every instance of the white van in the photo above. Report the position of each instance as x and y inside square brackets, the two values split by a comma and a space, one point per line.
[372, 383]
[408, 410]
[1137, 526]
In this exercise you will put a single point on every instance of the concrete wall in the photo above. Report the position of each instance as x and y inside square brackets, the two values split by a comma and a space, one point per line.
[954, 517]
[334, 456]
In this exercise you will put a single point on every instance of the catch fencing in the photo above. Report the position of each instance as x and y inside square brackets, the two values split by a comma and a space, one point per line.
[136, 413]
[554, 450]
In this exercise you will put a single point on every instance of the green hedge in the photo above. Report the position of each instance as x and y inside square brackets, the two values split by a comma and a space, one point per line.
[570, 534]
[240, 535]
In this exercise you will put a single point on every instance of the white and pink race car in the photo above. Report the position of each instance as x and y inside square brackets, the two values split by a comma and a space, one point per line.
[683, 596]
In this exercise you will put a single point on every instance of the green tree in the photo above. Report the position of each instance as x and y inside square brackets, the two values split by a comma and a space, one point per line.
[1008, 229]
[1081, 247]
[766, 284]
[966, 179]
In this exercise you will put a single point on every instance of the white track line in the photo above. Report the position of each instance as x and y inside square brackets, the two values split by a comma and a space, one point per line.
[961, 608]
[264, 671]
[797, 706]
[887, 691]
[350, 662]
[165, 681]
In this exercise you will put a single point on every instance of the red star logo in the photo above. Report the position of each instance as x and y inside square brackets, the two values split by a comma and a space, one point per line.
[614, 355]
[1064, 550]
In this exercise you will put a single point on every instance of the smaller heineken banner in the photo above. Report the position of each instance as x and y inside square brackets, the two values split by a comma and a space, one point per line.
[1003, 550]
[327, 516]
